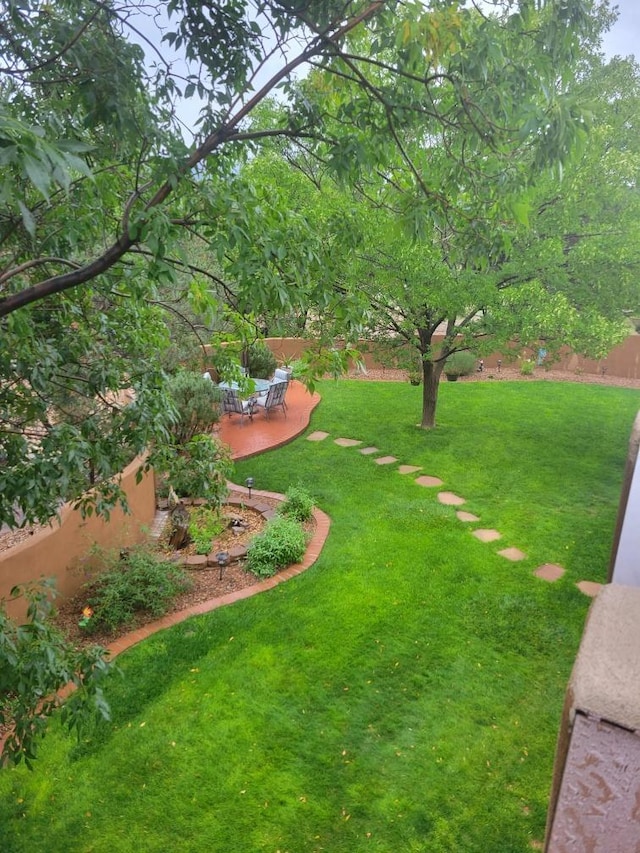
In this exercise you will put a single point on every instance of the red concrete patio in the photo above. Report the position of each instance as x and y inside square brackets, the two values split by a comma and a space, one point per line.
[248, 437]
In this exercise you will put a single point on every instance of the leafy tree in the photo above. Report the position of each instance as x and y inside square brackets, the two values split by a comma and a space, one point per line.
[99, 186]
[508, 253]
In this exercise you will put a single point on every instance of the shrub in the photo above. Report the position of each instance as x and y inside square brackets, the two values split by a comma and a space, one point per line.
[136, 582]
[197, 402]
[261, 362]
[199, 469]
[281, 543]
[461, 363]
[205, 524]
[298, 504]
[526, 367]
[36, 661]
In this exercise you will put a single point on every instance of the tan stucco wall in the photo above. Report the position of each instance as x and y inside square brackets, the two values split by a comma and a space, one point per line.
[604, 689]
[61, 550]
[622, 361]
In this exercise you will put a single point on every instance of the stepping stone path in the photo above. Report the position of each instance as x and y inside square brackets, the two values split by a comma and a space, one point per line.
[548, 572]
[590, 588]
[466, 516]
[513, 554]
[449, 499]
[485, 535]
[427, 481]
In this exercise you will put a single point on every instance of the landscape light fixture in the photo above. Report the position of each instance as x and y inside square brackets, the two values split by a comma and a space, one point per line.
[223, 560]
[249, 484]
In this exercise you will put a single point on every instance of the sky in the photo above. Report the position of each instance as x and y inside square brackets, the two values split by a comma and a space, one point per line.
[624, 37]
[623, 40]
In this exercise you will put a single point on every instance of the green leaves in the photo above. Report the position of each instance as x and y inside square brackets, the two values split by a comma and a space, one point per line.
[35, 662]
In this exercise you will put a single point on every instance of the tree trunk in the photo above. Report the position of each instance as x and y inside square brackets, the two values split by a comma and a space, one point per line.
[431, 374]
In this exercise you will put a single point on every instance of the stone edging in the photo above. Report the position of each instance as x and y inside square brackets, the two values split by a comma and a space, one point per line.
[322, 522]
[238, 552]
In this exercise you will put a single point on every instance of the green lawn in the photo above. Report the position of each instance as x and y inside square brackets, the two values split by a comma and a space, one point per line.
[405, 693]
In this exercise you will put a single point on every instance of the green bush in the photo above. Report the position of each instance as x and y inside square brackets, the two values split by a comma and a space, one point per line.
[527, 367]
[298, 504]
[205, 524]
[36, 660]
[281, 543]
[137, 581]
[261, 362]
[197, 403]
[198, 469]
[461, 363]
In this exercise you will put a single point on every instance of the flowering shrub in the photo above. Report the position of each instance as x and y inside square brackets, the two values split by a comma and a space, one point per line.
[85, 621]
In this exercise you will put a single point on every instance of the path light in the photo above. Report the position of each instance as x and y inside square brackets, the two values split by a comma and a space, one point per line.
[223, 560]
[249, 484]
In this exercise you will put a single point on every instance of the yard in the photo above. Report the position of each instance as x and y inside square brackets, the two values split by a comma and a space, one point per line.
[404, 694]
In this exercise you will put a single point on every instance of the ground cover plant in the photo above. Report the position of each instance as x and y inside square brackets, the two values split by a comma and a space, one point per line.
[404, 693]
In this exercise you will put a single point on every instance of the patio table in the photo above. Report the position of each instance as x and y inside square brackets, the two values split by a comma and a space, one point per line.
[261, 386]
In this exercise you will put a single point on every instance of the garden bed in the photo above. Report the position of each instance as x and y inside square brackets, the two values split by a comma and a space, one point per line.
[206, 581]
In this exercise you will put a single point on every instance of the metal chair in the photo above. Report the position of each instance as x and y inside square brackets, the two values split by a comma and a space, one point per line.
[273, 398]
[232, 404]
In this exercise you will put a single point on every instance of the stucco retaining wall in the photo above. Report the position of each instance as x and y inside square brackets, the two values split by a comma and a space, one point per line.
[61, 551]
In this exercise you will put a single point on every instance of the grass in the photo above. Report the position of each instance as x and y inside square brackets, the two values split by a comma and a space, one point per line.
[402, 695]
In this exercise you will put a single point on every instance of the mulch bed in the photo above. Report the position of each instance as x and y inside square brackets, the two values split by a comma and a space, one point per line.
[206, 585]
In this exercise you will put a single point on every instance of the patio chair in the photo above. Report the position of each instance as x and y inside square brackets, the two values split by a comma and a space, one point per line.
[232, 404]
[273, 398]
[281, 375]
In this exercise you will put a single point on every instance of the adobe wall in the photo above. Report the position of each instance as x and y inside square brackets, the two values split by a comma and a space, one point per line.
[61, 551]
[596, 784]
[623, 361]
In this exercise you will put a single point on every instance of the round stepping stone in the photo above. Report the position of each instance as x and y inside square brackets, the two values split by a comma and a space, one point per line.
[385, 460]
[347, 442]
[408, 469]
[449, 499]
[590, 588]
[485, 535]
[317, 436]
[513, 554]
[427, 481]
[367, 451]
[549, 572]
[467, 516]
